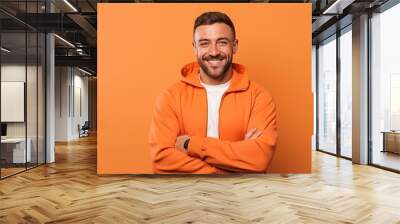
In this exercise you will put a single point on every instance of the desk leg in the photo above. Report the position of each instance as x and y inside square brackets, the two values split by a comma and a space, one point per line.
[384, 142]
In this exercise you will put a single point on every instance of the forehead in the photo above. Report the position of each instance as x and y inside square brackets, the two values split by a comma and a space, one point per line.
[213, 31]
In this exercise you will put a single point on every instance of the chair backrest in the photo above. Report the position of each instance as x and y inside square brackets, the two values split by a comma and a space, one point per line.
[86, 124]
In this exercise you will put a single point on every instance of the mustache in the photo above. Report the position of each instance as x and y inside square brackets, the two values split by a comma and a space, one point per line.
[213, 57]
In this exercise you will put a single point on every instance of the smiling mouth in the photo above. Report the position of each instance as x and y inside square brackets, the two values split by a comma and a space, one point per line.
[214, 62]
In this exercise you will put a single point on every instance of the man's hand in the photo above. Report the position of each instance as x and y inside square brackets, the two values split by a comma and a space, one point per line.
[252, 134]
[180, 140]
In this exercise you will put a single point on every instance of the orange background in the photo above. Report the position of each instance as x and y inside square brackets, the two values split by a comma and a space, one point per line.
[142, 47]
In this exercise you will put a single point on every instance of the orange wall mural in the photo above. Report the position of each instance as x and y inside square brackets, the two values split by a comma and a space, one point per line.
[143, 46]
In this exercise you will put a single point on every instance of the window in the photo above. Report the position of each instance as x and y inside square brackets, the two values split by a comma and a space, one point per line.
[346, 93]
[327, 95]
[385, 88]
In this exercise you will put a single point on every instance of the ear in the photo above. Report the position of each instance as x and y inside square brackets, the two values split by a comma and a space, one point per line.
[194, 48]
[235, 46]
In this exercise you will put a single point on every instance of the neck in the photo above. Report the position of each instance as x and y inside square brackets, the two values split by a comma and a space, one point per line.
[216, 81]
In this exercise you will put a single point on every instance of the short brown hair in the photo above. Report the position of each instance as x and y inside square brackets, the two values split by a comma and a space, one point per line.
[209, 18]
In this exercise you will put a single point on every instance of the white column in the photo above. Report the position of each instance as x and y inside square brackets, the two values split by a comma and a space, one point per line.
[360, 90]
[50, 100]
[50, 92]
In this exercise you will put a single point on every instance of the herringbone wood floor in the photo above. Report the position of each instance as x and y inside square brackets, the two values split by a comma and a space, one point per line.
[69, 191]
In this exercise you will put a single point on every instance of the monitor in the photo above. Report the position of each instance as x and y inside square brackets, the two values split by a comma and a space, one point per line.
[3, 129]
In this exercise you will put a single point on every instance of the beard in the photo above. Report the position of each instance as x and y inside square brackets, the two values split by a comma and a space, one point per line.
[207, 71]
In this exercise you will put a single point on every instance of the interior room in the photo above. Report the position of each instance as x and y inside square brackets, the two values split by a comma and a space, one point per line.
[49, 126]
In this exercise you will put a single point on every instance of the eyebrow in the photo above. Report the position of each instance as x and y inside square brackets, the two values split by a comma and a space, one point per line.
[222, 38]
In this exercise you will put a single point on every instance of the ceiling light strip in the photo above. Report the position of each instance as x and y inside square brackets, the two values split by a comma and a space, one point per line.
[84, 71]
[337, 7]
[5, 49]
[71, 6]
[64, 40]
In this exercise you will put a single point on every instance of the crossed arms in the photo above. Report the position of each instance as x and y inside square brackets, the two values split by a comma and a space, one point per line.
[209, 155]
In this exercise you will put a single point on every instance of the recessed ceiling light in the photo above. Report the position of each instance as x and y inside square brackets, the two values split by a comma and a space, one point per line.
[5, 50]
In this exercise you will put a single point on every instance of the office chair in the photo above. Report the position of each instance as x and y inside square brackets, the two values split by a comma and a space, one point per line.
[84, 130]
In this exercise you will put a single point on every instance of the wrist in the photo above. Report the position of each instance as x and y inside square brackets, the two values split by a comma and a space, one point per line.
[186, 144]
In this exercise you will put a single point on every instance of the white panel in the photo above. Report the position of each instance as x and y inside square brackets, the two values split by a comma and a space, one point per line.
[12, 101]
[77, 112]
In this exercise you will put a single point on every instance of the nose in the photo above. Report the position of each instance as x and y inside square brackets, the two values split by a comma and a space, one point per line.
[213, 50]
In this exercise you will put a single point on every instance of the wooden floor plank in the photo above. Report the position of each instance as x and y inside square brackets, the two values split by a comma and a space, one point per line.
[70, 191]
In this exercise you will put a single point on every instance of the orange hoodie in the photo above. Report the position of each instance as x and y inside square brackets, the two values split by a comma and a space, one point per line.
[182, 110]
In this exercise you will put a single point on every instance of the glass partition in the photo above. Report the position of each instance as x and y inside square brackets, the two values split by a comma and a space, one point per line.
[327, 95]
[13, 103]
[22, 88]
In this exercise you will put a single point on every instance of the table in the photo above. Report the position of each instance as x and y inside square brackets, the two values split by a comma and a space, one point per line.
[13, 150]
[391, 141]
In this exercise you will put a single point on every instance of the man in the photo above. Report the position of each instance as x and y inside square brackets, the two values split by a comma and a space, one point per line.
[214, 120]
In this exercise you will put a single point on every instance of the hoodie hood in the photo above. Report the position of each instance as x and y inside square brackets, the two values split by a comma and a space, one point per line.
[239, 80]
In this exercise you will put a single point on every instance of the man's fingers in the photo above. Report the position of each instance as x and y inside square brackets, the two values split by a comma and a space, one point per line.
[253, 134]
[256, 134]
[177, 144]
[250, 133]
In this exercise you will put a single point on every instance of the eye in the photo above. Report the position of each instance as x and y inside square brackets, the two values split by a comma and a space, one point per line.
[222, 43]
[203, 44]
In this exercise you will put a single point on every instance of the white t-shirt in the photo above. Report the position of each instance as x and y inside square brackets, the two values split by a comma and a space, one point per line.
[214, 94]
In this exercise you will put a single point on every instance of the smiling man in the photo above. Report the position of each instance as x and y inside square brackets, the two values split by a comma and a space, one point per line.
[215, 120]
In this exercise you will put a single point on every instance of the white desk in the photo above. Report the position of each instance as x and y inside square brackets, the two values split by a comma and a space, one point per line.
[18, 149]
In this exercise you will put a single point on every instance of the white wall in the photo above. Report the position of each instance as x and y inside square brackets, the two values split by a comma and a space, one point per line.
[62, 78]
[80, 84]
[16, 73]
[13, 73]
[71, 92]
